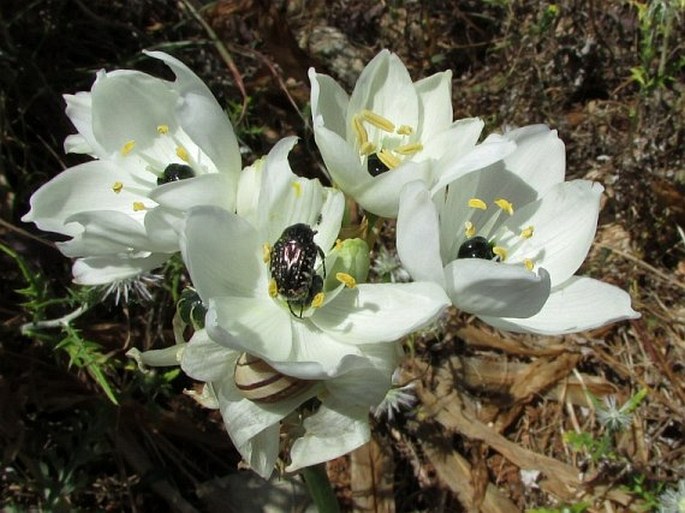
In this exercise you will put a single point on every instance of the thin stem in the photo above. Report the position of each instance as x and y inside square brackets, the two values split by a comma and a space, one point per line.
[320, 488]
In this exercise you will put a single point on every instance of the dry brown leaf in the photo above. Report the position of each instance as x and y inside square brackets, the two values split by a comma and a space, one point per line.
[372, 472]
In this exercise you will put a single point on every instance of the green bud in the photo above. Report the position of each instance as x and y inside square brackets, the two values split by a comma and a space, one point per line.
[350, 256]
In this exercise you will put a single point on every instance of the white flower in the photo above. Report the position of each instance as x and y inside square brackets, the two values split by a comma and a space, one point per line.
[121, 223]
[343, 339]
[536, 230]
[673, 500]
[390, 123]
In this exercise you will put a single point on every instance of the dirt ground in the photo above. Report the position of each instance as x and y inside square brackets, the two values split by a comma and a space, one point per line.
[504, 423]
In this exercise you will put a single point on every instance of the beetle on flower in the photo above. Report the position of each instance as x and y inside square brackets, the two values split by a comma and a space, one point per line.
[391, 131]
[160, 147]
[505, 241]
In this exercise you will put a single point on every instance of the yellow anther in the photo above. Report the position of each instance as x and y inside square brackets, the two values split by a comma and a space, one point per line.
[297, 187]
[377, 120]
[346, 279]
[138, 206]
[162, 129]
[339, 244]
[182, 153]
[405, 130]
[505, 205]
[528, 263]
[127, 147]
[527, 232]
[266, 252]
[477, 203]
[273, 288]
[117, 186]
[469, 229]
[367, 148]
[500, 252]
[409, 149]
[360, 131]
[318, 300]
[387, 158]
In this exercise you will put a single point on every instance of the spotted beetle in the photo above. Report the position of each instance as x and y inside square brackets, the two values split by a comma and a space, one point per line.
[292, 266]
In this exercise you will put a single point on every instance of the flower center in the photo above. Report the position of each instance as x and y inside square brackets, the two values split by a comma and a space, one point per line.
[382, 145]
[493, 240]
[167, 158]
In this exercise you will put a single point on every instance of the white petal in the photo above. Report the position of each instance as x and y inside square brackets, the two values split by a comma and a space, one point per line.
[329, 102]
[331, 432]
[223, 254]
[491, 150]
[112, 268]
[203, 119]
[564, 221]
[385, 87]
[213, 189]
[286, 199]
[244, 419]
[418, 237]
[367, 384]
[453, 142]
[316, 355]
[129, 106]
[579, 304]
[382, 195]
[79, 109]
[205, 360]
[261, 451]
[81, 188]
[164, 228]
[435, 103]
[105, 232]
[380, 312]
[484, 287]
[255, 325]
[539, 159]
[342, 160]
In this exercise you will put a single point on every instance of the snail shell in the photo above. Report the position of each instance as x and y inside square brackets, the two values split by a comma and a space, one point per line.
[258, 381]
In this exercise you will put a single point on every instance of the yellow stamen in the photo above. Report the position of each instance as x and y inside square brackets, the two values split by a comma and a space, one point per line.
[405, 130]
[527, 232]
[367, 148]
[138, 206]
[505, 205]
[182, 153]
[162, 129]
[266, 252]
[127, 147]
[273, 288]
[117, 186]
[477, 203]
[346, 279]
[469, 229]
[360, 131]
[528, 263]
[409, 149]
[297, 187]
[388, 159]
[500, 252]
[318, 300]
[377, 120]
[339, 244]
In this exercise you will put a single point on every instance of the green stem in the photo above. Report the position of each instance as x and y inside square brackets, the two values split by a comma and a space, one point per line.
[320, 488]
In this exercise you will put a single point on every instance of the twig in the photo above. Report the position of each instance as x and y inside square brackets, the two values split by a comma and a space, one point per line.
[225, 54]
[642, 264]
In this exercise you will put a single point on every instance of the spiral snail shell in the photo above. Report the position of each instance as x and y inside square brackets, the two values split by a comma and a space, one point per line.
[258, 381]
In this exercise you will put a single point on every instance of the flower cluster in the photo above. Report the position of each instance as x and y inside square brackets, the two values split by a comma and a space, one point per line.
[294, 345]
